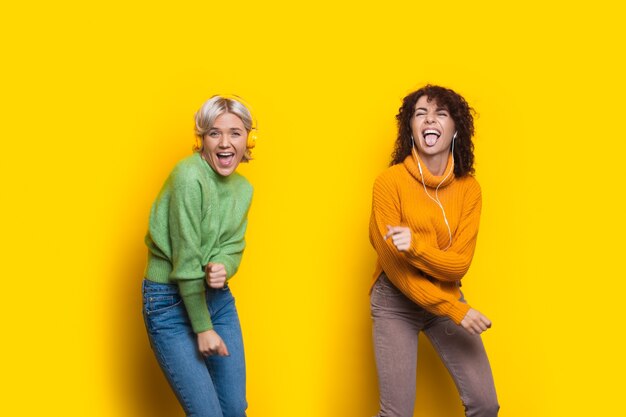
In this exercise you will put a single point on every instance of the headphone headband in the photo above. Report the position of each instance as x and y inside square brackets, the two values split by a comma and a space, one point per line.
[247, 105]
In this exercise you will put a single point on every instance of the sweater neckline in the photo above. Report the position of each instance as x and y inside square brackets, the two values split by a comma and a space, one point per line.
[428, 179]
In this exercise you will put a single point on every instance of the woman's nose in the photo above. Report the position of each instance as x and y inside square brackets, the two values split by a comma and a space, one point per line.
[224, 141]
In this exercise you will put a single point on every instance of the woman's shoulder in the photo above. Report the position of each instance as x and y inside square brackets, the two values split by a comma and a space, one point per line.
[188, 167]
[468, 181]
[470, 184]
[241, 183]
[392, 174]
[188, 173]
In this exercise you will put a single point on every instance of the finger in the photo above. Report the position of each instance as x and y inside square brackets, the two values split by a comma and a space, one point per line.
[399, 244]
[401, 240]
[223, 350]
[465, 325]
[402, 245]
[393, 230]
[218, 273]
[470, 325]
[400, 237]
[483, 325]
[396, 229]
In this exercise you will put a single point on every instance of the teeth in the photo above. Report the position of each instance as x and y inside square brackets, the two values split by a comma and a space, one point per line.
[225, 154]
[431, 132]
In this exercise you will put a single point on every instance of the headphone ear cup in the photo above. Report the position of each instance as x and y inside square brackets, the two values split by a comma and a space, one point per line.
[252, 138]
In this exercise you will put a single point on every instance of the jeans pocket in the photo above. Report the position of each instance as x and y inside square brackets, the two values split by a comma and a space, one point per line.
[385, 288]
[161, 303]
[451, 328]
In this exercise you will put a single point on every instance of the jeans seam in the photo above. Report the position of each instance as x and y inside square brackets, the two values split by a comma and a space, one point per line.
[163, 309]
[455, 377]
[185, 401]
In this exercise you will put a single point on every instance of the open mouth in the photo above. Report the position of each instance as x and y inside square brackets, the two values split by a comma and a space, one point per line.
[431, 136]
[225, 158]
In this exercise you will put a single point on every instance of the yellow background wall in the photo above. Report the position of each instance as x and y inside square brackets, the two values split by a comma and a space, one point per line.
[97, 104]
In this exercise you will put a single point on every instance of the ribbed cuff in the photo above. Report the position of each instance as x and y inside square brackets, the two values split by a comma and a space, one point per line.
[194, 297]
[229, 265]
[457, 311]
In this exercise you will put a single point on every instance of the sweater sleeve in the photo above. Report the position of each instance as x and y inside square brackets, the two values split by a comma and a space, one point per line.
[231, 251]
[184, 223]
[409, 280]
[451, 264]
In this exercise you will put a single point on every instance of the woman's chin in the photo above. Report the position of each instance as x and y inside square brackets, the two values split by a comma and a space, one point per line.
[226, 169]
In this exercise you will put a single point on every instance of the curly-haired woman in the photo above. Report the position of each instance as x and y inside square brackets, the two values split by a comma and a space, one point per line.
[424, 223]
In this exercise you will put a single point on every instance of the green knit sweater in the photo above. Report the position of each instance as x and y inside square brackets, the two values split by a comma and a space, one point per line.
[198, 217]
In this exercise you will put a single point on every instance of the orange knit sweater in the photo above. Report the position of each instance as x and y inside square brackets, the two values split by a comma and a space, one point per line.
[426, 273]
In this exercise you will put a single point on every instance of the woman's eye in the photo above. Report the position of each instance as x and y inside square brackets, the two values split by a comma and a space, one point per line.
[420, 114]
[236, 134]
[214, 134]
[443, 114]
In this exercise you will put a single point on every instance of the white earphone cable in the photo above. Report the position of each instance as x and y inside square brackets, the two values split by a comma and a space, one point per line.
[436, 199]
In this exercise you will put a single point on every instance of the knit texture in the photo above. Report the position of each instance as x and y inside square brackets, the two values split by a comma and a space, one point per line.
[198, 217]
[426, 273]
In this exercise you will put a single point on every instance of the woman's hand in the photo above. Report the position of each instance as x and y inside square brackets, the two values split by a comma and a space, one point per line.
[215, 275]
[210, 343]
[400, 236]
[475, 322]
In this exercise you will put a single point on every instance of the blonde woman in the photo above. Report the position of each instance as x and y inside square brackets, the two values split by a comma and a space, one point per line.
[195, 244]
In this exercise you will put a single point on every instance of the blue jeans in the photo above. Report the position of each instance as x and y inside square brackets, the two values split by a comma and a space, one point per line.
[206, 387]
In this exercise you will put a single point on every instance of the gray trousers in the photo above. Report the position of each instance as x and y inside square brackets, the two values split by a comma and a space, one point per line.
[397, 322]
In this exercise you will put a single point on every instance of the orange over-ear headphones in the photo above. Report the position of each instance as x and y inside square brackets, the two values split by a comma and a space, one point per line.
[253, 134]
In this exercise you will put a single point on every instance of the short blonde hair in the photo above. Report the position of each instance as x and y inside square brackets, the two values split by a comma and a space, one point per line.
[215, 107]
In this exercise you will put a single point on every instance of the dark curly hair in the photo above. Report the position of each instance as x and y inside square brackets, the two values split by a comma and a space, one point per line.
[461, 113]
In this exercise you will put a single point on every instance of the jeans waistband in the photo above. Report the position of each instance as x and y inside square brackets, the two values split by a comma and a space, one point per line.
[156, 287]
